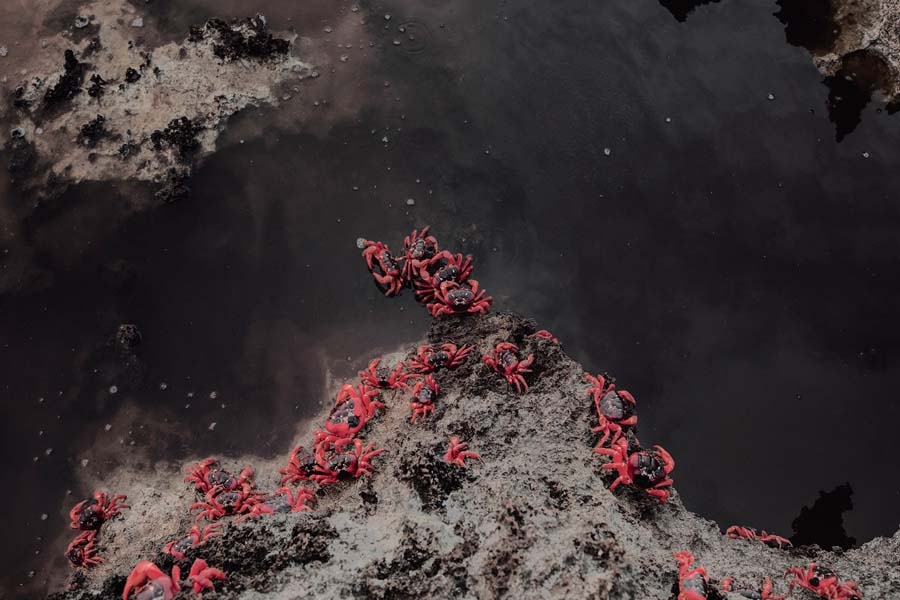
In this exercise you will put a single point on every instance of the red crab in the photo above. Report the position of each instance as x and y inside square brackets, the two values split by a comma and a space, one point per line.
[428, 360]
[824, 583]
[194, 538]
[149, 582]
[736, 532]
[353, 408]
[286, 500]
[455, 268]
[615, 409]
[91, 514]
[458, 452]
[244, 501]
[206, 475]
[505, 360]
[82, 552]
[420, 250]
[390, 278]
[343, 466]
[300, 466]
[693, 584]
[766, 592]
[545, 335]
[424, 394]
[459, 298]
[202, 576]
[384, 378]
[646, 469]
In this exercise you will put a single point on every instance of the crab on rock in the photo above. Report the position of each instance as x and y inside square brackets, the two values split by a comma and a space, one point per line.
[455, 269]
[91, 514]
[419, 251]
[766, 592]
[545, 335]
[287, 501]
[206, 475]
[343, 466]
[301, 465]
[615, 409]
[693, 583]
[385, 269]
[244, 501]
[505, 360]
[824, 582]
[458, 452]
[82, 552]
[647, 469]
[424, 394]
[195, 537]
[383, 378]
[353, 408]
[737, 532]
[459, 298]
[428, 360]
[149, 582]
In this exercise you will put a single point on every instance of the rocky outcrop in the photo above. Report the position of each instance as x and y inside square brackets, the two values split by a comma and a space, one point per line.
[113, 109]
[532, 519]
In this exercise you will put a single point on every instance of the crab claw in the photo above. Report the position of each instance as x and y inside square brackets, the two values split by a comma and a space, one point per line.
[202, 576]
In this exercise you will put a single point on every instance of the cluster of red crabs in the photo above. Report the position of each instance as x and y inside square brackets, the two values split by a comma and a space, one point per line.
[338, 452]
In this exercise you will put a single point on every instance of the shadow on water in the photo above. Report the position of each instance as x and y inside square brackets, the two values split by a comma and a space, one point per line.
[823, 524]
[714, 250]
[680, 9]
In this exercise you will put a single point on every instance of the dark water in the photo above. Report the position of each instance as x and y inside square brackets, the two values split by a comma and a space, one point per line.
[734, 266]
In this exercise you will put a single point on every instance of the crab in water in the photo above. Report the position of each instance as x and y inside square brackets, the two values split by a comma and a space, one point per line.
[693, 583]
[766, 592]
[737, 532]
[300, 466]
[195, 537]
[505, 360]
[615, 409]
[646, 469]
[385, 269]
[343, 466]
[91, 514]
[244, 501]
[383, 378]
[285, 500]
[459, 298]
[419, 251]
[428, 360]
[353, 408]
[824, 582]
[458, 452]
[82, 552]
[424, 394]
[207, 475]
[455, 268]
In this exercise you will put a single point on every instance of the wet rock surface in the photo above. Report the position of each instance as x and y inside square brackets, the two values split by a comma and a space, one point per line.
[532, 519]
[101, 67]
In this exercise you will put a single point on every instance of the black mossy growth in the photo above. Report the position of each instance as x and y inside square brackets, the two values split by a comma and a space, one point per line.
[92, 132]
[69, 84]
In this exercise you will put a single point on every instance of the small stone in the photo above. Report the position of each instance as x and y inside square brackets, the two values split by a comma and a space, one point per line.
[43, 516]
[668, 119]
[113, 389]
[344, 58]
[3, 51]
[163, 385]
[385, 140]
[107, 427]
[607, 151]
[84, 462]
[354, 9]
[212, 426]
[360, 243]
[865, 155]
[387, 17]
[328, 29]
[82, 22]
[213, 395]
[410, 202]
[396, 42]
[771, 96]
[48, 451]
[137, 22]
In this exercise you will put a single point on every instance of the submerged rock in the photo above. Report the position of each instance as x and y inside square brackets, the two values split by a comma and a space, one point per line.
[533, 519]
